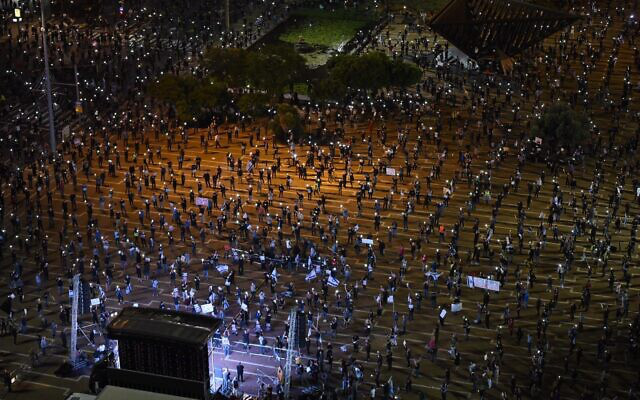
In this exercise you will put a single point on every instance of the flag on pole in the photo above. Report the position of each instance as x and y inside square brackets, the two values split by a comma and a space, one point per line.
[311, 276]
[333, 281]
[434, 275]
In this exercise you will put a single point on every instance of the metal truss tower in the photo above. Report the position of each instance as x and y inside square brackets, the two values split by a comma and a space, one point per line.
[291, 350]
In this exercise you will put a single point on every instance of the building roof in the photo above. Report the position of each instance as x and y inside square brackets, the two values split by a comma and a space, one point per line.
[119, 393]
[165, 325]
[497, 28]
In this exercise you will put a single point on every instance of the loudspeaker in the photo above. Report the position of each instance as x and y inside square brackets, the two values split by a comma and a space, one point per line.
[84, 299]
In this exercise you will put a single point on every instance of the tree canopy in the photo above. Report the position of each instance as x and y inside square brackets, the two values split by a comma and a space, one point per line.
[370, 72]
[250, 81]
[287, 123]
[270, 69]
[193, 99]
[560, 126]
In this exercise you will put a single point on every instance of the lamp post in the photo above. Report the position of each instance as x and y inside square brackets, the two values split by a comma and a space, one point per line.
[227, 17]
[47, 77]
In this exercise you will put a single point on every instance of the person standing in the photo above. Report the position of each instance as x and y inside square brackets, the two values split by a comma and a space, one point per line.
[7, 380]
[14, 333]
[43, 345]
[240, 371]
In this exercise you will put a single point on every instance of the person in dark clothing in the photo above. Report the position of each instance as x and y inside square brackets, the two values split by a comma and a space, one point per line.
[240, 371]
[7, 380]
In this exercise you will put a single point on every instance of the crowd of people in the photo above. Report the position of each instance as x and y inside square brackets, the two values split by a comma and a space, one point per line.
[424, 190]
[105, 62]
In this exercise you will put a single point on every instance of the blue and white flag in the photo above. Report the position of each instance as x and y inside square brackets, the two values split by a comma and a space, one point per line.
[311, 276]
[222, 268]
[434, 275]
[274, 275]
[333, 281]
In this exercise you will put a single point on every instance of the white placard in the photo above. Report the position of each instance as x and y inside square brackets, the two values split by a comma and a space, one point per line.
[493, 285]
[479, 282]
[489, 284]
[391, 171]
[470, 281]
[456, 307]
[95, 302]
[222, 268]
[367, 241]
[443, 313]
[244, 307]
[206, 308]
[202, 201]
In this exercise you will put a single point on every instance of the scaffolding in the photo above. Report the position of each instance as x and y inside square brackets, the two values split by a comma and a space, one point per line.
[76, 296]
[292, 346]
[73, 349]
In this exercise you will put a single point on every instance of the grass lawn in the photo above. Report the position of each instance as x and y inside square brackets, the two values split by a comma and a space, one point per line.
[325, 28]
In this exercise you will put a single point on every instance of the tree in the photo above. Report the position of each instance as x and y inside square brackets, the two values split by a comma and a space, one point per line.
[561, 127]
[228, 65]
[193, 99]
[404, 74]
[328, 88]
[274, 69]
[372, 72]
[270, 69]
[254, 104]
[287, 123]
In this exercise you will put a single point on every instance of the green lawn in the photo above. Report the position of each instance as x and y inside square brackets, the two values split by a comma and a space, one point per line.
[325, 28]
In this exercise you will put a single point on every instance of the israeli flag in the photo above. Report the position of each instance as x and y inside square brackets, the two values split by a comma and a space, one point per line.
[333, 282]
[274, 275]
[311, 276]
[222, 268]
[434, 275]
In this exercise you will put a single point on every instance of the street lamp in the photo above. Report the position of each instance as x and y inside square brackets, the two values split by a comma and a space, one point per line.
[45, 47]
